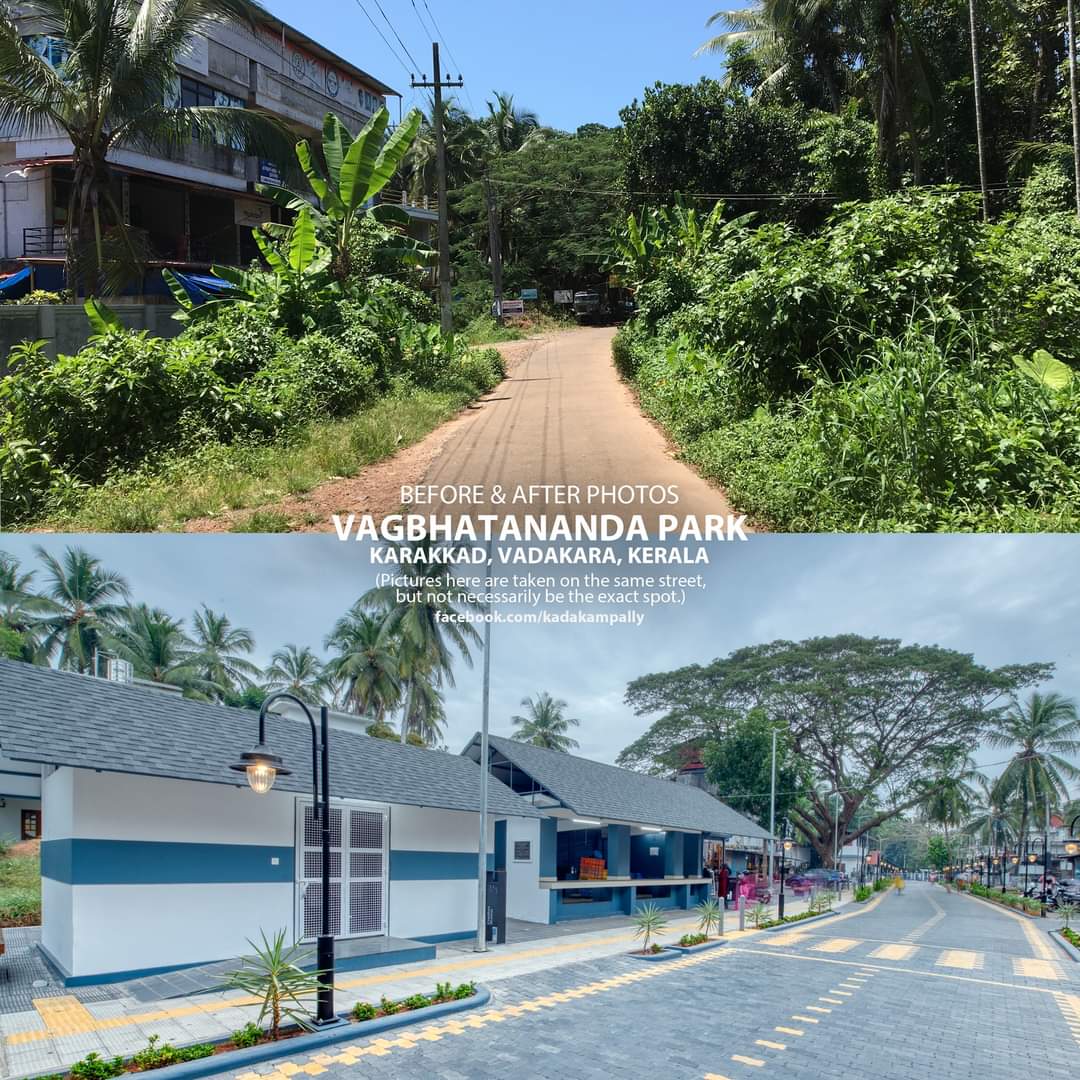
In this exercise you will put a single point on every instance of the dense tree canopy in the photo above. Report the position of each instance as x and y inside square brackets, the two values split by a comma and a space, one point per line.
[868, 715]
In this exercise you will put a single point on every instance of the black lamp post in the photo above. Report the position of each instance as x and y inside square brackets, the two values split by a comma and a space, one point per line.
[785, 847]
[262, 768]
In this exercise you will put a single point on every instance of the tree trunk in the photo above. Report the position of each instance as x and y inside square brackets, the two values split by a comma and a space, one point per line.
[1073, 103]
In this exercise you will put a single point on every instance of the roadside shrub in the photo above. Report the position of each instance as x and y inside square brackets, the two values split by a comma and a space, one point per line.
[95, 1067]
[158, 1057]
[472, 371]
[862, 893]
[240, 338]
[364, 1010]
[249, 1035]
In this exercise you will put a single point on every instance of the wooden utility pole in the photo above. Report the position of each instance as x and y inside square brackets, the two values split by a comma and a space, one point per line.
[495, 249]
[438, 84]
[1073, 102]
[977, 80]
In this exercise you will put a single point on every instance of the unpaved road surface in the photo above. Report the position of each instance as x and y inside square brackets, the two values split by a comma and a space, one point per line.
[561, 417]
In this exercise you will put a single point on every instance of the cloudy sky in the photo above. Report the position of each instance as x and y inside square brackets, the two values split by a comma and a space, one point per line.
[1007, 599]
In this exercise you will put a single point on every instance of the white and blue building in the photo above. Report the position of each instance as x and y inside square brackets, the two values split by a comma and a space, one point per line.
[156, 856]
[649, 833]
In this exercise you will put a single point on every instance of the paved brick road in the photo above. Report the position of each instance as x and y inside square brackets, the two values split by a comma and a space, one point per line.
[924, 984]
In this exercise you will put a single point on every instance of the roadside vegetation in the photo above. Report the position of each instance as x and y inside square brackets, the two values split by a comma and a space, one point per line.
[903, 367]
[326, 358]
[20, 884]
[843, 319]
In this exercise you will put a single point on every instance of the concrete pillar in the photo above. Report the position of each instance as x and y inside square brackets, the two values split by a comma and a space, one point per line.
[618, 852]
[692, 847]
[673, 855]
[549, 831]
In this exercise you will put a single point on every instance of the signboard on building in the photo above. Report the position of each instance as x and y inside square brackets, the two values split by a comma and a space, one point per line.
[250, 212]
[564, 296]
[270, 174]
[530, 294]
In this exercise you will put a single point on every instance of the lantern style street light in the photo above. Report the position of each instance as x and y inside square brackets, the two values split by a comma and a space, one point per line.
[262, 767]
[785, 847]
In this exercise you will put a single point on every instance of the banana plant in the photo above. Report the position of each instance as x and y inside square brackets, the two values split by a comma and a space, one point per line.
[352, 172]
[297, 261]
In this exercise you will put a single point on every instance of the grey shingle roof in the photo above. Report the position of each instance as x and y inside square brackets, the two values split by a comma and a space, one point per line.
[593, 789]
[58, 718]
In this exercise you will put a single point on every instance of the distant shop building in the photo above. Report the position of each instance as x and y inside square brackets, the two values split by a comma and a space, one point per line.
[608, 840]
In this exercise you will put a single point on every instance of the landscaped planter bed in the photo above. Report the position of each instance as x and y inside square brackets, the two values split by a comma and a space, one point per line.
[223, 1055]
[665, 953]
[704, 946]
[798, 920]
[999, 904]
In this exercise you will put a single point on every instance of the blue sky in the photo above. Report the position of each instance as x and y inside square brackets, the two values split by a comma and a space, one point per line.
[572, 63]
[1006, 599]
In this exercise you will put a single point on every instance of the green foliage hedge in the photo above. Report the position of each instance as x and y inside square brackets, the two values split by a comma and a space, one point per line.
[127, 400]
[866, 377]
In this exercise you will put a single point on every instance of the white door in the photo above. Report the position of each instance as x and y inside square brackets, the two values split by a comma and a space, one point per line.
[359, 871]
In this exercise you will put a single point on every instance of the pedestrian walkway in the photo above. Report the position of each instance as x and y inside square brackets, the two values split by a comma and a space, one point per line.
[61, 1028]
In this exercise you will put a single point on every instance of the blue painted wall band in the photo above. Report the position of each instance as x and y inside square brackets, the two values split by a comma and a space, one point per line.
[433, 865]
[146, 862]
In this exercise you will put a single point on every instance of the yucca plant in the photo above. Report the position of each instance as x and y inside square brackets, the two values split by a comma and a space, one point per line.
[649, 922]
[274, 975]
[1068, 912]
[759, 913]
[710, 916]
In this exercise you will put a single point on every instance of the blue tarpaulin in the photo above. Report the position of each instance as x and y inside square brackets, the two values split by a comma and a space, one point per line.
[202, 287]
[16, 286]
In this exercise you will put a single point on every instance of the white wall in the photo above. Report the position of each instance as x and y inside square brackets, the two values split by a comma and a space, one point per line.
[524, 897]
[433, 907]
[23, 205]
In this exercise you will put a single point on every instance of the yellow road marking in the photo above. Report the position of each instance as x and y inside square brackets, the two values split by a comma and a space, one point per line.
[960, 958]
[831, 1001]
[805, 1019]
[788, 1030]
[817, 1008]
[836, 945]
[742, 1060]
[893, 952]
[1036, 969]
[850, 985]
[842, 993]
[715, 1076]
[771, 1045]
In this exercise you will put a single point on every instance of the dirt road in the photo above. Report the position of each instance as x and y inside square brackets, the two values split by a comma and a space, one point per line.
[564, 417]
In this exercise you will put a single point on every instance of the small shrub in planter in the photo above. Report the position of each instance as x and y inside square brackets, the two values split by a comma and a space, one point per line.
[364, 1010]
[862, 893]
[158, 1057]
[248, 1035]
[687, 941]
[759, 915]
[465, 990]
[95, 1067]
[710, 916]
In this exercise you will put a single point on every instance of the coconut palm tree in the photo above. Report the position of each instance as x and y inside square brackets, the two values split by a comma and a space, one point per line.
[299, 671]
[18, 605]
[222, 651]
[366, 663]
[1046, 732]
[466, 150]
[110, 93]
[159, 650]
[80, 601]
[545, 723]
[953, 793]
[428, 623]
[427, 711]
[509, 128]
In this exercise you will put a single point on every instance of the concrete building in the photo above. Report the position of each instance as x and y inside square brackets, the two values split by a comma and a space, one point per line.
[156, 856]
[609, 838]
[199, 205]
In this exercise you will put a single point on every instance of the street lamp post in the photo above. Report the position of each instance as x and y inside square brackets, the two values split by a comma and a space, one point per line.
[785, 847]
[262, 767]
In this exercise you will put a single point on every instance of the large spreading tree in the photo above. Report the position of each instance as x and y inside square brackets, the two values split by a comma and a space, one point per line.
[869, 717]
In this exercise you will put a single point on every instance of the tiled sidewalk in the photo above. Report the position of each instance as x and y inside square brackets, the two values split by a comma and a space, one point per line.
[61, 1029]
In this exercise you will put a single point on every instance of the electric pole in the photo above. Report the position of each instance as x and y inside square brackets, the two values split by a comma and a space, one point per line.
[438, 84]
[495, 248]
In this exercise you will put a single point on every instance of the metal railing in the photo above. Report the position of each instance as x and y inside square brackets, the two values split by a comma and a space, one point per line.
[44, 240]
[403, 199]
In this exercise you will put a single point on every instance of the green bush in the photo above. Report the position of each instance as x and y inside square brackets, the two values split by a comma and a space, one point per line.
[95, 1067]
[364, 1010]
[158, 1057]
[862, 893]
[249, 1035]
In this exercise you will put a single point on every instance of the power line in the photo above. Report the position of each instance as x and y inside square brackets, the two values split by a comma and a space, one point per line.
[396, 55]
[428, 32]
[440, 34]
[393, 30]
